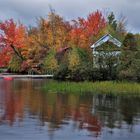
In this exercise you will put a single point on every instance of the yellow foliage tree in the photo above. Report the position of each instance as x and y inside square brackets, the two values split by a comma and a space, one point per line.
[73, 59]
[50, 62]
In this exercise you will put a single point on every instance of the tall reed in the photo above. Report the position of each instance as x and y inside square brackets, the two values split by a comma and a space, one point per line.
[106, 87]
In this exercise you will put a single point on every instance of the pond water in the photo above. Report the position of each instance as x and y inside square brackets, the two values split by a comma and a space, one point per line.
[29, 113]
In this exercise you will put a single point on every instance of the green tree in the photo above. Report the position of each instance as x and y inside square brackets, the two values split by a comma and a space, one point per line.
[112, 21]
[107, 60]
[116, 27]
[14, 64]
[130, 60]
[129, 42]
[80, 64]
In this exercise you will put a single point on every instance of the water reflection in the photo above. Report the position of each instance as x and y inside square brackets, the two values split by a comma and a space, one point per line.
[23, 101]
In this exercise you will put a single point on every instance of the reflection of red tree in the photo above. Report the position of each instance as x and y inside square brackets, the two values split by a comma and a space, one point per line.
[87, 120]
[9, 109]
[13, 105]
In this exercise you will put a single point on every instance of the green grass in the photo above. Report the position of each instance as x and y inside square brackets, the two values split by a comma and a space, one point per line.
[107, 87]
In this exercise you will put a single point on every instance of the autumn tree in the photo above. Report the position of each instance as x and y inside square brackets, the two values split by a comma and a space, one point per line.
[73, 59]
[85, 31]
[5, 57]
[50, 62]
[50, 33]
[37, 45]
[12, 40]
[57, 31]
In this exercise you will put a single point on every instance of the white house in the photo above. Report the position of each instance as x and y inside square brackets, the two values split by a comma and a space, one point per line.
[102, 53]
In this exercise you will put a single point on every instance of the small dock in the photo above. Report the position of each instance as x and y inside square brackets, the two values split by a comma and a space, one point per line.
[26, 76]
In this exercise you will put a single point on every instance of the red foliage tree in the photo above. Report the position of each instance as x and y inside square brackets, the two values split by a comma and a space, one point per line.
[85, 31]
[12, 40]
[4, 58]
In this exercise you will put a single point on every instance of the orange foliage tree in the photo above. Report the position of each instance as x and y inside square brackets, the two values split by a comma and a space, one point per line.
[57, 31]
[37, 42]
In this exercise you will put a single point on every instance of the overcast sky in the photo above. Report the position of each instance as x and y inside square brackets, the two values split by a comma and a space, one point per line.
[28, 10]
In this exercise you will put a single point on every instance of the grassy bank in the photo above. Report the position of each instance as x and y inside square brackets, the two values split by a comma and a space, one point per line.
[107, 87]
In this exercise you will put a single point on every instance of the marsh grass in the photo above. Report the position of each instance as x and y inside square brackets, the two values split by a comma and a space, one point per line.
[105, 87]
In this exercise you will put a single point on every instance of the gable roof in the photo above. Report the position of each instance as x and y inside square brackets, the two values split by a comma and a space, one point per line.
[106, 38]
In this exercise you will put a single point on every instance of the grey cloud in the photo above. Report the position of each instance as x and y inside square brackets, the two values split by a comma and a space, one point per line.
[27, 10]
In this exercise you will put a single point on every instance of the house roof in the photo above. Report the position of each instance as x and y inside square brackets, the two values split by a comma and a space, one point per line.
[106, 38]
[60, 50]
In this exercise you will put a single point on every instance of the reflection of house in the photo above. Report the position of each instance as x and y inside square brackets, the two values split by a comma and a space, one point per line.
[106, 47]
[106, 108]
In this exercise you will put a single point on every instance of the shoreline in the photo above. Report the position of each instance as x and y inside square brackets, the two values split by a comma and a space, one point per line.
[25, 76]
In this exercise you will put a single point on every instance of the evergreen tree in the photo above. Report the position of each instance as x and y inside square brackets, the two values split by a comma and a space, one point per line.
[112, 21]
